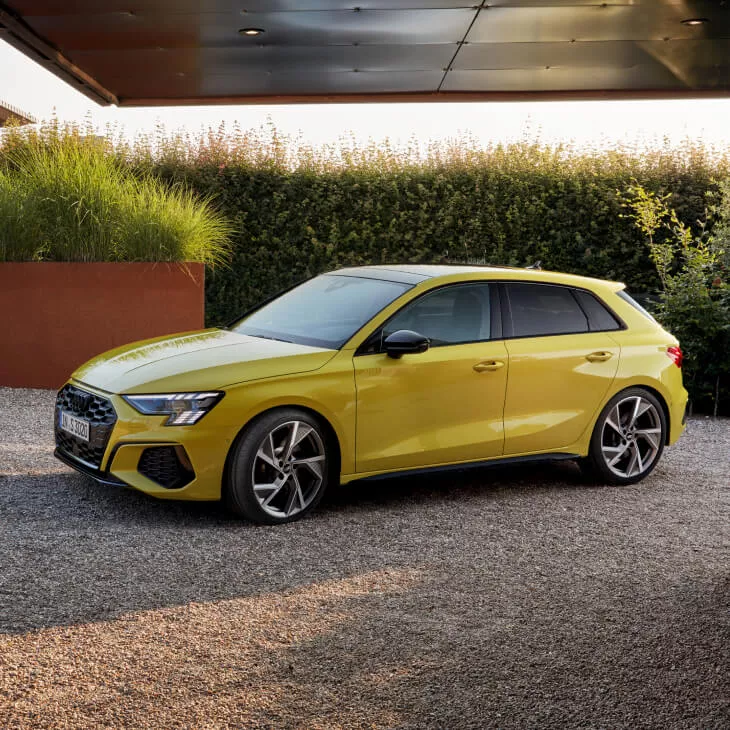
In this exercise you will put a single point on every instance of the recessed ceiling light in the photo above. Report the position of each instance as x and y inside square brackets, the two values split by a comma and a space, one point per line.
[695, 21]
[251, 31]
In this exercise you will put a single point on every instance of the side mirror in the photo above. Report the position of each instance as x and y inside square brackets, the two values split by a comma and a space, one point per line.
[405, 342]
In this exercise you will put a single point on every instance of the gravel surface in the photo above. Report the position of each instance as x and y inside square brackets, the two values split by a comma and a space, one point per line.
[518, 598]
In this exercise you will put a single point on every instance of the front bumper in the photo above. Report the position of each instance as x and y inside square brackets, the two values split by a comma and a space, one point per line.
[677, 416]
[99, 476]
[200, 451]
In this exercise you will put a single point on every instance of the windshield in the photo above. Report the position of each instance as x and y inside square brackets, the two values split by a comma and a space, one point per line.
[323, 312]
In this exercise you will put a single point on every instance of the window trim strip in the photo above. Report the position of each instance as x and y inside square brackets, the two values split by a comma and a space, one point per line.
[496, 319]
[499, 298]
[509, 327]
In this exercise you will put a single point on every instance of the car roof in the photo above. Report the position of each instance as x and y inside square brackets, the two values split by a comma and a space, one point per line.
[417, 273]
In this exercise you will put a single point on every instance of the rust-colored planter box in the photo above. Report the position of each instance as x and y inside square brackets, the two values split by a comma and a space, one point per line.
[55, 316]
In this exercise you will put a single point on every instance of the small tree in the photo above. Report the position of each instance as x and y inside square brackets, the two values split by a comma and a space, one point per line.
[694, 302]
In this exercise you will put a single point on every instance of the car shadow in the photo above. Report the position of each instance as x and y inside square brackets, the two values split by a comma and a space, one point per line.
[482, 482]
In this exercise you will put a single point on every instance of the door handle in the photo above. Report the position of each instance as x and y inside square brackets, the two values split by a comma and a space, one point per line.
[488, 366]
[599, 356]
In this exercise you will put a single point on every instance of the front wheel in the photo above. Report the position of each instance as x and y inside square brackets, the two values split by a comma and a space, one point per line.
[628, 438]
[279, 468]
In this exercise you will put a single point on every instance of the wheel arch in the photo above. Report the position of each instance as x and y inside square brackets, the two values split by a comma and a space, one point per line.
[330, 432]
[663, 403]
[649, 388]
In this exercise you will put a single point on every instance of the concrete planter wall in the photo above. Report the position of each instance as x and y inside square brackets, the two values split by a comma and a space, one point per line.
[55, 316]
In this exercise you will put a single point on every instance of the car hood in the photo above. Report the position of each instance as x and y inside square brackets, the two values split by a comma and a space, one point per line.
[191, 361]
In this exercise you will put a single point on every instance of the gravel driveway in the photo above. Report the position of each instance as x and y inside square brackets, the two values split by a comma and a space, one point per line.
[517, 598]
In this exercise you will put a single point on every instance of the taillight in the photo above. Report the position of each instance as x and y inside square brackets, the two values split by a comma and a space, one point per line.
[675, 355]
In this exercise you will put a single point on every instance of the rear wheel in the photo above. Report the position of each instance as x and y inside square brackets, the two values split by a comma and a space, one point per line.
[279, 468]
[628, 438]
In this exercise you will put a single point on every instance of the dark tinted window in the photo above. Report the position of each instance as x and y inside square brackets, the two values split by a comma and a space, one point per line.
[541, 309]
[323, 312]
[599, 318]
[459, 313]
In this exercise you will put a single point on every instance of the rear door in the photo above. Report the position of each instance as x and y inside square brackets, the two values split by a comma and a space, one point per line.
[440, 406]
[563, 360]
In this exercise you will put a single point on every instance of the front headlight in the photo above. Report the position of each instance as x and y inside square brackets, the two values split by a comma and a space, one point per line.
[184, 409]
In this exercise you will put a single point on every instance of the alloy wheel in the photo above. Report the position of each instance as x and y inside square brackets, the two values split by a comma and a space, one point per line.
[631, 437]
[288, 469]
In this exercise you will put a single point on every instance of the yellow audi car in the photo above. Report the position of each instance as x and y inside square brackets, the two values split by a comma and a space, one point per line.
[371, 371]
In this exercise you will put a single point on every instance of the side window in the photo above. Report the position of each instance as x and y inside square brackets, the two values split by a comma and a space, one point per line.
[542, 309]
[599, 318]
[448, 316]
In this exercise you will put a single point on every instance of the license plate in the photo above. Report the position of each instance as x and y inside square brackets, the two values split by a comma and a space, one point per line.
[75, 426]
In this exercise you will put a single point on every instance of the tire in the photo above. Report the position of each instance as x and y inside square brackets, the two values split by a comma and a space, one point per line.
[628, 439]
[271, 480]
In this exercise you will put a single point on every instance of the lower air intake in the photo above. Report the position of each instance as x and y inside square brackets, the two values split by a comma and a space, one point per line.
[163, 465]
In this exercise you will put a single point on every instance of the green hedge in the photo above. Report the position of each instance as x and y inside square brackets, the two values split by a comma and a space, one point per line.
[511, 205]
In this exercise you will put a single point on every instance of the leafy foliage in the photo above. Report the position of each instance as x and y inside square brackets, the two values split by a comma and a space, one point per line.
[298, 211]
[694, 302]
[71, 199]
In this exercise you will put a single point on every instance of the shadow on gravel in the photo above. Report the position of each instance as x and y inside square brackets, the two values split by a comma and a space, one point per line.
[572, 655]
[474, 483]
[516, 597]
[73, 551]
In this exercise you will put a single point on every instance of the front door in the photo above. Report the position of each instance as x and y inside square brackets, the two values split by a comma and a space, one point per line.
[441, 406]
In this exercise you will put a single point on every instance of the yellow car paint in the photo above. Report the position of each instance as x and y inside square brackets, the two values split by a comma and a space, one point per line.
[554, 389]
[216, 356]
[449, 405]
[432, 408]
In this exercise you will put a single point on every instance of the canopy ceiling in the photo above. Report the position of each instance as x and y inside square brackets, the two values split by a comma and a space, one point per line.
[147, 52]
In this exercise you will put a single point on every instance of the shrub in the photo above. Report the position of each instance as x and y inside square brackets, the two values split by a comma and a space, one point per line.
[694, 302]
[70, 199]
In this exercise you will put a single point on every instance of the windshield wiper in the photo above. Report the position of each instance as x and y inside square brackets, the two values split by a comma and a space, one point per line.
[277, 339]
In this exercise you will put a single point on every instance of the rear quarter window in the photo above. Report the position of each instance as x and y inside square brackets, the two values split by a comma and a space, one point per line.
[600, 318]
[623, 294]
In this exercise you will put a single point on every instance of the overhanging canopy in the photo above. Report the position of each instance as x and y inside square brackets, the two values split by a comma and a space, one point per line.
[151, 52]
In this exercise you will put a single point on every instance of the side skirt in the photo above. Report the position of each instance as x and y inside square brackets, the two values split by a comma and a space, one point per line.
[506, 461]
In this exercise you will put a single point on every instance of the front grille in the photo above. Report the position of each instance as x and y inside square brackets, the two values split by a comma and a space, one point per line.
[100, 414]
[162, 465]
